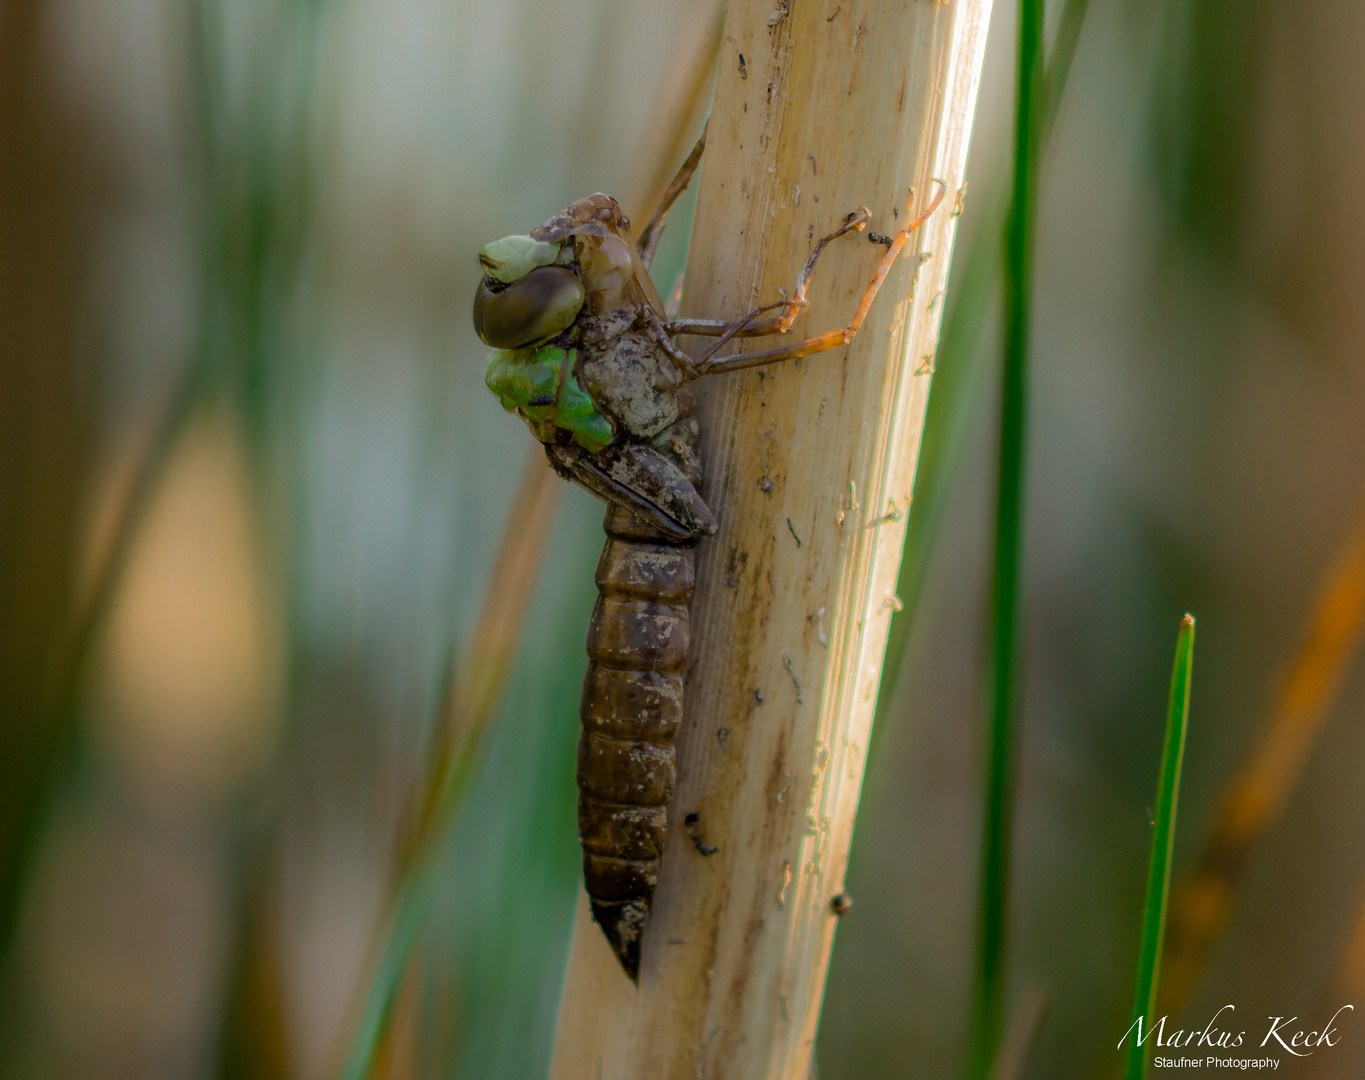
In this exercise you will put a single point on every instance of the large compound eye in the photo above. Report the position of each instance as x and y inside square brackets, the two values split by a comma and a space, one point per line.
[536, 307]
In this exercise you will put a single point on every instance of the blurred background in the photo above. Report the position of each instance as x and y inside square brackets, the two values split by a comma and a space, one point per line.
[252, 489]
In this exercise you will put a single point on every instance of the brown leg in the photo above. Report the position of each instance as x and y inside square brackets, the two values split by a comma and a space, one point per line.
[648, 243]
[778, 324]
[659, 331]
[834, 338]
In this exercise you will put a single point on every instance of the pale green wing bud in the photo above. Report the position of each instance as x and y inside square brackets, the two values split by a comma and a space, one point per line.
[514, 257]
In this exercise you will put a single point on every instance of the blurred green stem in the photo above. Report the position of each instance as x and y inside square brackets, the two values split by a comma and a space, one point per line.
[89, 624]
[1059, 66]
[1163, 843]
[958, 375]
[205, 129]
[469, 710]
[407, 920]
[997, 823]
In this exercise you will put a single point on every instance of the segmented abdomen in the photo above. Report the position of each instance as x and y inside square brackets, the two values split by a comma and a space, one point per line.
[631, 708]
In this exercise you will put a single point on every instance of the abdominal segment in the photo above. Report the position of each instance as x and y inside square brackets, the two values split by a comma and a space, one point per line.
[631, 708]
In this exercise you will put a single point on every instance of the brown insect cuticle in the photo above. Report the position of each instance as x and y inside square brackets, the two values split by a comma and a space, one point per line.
[596, 298]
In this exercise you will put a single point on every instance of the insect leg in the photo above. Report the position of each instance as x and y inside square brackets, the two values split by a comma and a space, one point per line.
[778, 324]
[834, 338]
[658, 330]
[653, 232]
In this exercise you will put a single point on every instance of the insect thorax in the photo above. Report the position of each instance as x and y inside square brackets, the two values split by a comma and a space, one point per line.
[603, 381]
[630, 379]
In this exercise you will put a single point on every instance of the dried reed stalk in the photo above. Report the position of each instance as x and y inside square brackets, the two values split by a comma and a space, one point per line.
[819, 108]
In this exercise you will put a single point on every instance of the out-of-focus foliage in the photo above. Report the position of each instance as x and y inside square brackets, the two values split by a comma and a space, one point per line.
[290, 200]
[275, 203]
[1195, 444]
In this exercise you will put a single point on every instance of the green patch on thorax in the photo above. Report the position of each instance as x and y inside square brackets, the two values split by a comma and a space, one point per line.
[545, 376]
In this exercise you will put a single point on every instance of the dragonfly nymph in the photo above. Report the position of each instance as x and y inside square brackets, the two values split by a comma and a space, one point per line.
[587, 356]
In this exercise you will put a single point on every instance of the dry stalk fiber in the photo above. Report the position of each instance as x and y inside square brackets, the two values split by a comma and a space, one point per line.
[819, 108]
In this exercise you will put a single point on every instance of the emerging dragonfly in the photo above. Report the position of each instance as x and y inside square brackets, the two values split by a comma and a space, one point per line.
[587, 357]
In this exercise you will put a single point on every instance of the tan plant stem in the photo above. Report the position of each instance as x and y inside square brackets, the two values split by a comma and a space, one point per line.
[809, 465]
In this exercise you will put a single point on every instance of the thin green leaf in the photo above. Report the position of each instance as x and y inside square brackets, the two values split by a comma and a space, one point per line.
[998, 817]
[1163, 842]
[958, 377]
[65, 718]
[471, 708]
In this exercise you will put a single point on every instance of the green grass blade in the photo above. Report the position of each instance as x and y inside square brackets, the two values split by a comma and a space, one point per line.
[959, 376]
[1063, 52]
[408, 919]
[1163, 842]
[956, 380]
[998, 816]
[64, 721]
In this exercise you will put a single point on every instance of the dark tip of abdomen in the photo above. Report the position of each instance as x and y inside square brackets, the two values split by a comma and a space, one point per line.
[623, 924]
